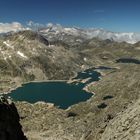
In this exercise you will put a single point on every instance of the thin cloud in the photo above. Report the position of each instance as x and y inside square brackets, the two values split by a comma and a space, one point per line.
[35, 24]
[8, 27]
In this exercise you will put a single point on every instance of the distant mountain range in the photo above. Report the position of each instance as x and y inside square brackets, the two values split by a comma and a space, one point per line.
[71, 35]
[78, 35]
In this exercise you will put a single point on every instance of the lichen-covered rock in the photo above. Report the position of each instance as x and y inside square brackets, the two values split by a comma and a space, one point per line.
[125, 126]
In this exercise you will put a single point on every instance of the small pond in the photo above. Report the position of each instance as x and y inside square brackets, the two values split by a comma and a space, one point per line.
[128, 60]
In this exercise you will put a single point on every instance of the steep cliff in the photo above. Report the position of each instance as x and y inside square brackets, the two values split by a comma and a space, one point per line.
[10, 128]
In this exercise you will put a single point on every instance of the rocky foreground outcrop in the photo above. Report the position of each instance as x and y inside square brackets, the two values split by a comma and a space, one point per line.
[10, 128]
[125, 126]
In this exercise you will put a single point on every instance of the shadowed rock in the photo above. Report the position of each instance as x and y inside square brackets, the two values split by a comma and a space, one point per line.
[10, 128]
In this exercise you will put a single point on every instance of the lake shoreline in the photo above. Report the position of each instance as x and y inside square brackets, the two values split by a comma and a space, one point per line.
[69, 81]
[40, 81]
[59, 93]
[36, 81]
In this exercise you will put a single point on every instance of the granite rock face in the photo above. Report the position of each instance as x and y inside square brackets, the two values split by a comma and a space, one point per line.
[10, 128]
[125, 126]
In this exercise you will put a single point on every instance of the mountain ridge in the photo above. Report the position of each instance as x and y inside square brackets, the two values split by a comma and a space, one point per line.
[75, 35]
[61, 33]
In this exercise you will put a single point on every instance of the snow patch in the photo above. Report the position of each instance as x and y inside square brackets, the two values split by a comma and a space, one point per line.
[85, 59]
[7, 44]
[21, 54]
[51, 46]
[5, 58]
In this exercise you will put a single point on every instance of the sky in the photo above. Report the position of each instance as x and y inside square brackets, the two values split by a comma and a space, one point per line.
[113, 15]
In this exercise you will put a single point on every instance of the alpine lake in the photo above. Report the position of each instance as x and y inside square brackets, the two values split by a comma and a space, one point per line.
[60, 93]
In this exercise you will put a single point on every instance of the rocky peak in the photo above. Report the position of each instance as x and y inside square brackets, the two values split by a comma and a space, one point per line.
[32, 35]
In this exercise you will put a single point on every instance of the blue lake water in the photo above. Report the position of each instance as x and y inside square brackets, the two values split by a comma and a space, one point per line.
[61, 94]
